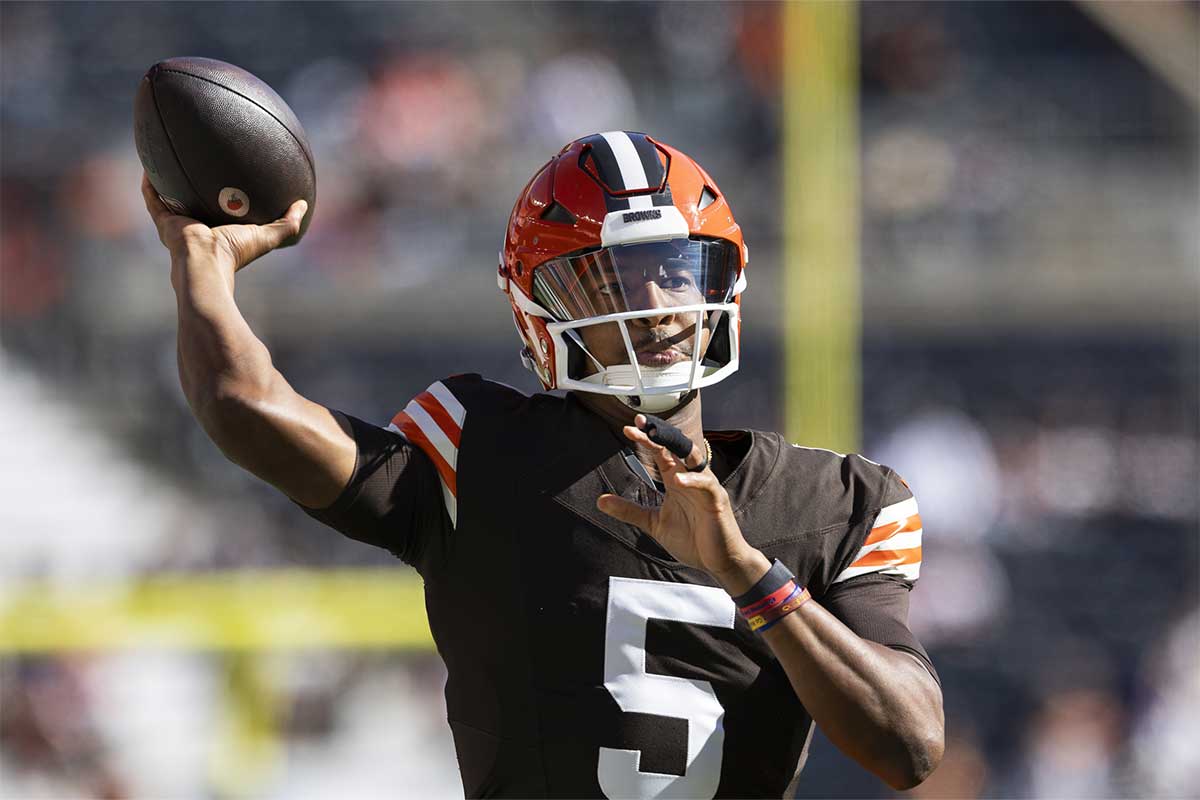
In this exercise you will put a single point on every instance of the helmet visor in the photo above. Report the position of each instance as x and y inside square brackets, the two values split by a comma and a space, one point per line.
[637, 277]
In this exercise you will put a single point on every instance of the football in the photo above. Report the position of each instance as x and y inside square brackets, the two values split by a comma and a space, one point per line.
[220, 145]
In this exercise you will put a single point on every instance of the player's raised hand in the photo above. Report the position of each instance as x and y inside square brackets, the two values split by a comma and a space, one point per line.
[233, 246]
[695, 523]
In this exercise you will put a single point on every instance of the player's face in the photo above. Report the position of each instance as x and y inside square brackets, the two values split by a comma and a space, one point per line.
[650, 281]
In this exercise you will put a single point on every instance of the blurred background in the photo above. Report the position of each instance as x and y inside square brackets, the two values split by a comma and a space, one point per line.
[1027, 207]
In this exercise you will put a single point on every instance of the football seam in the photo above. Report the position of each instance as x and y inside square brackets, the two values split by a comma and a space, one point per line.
[174, 152]
[304, 150]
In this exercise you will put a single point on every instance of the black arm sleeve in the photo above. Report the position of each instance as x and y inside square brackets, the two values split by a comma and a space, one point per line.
[875, 607]
[393, 499]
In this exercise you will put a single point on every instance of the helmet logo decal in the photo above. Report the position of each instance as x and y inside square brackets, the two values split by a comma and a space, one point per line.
[641, 216]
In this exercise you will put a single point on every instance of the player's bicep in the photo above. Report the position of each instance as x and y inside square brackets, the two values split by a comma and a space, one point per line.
[302, 448]
[392, 499]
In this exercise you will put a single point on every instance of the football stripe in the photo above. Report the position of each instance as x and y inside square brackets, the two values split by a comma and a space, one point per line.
[439, 415]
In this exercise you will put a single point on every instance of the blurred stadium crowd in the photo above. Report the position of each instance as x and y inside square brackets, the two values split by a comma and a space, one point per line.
[1030, 271]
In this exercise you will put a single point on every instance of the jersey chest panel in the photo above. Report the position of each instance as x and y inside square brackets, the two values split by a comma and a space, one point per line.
[555, 603]
[591, 653]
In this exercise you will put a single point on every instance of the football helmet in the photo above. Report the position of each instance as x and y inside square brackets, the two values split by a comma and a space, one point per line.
[624, 267]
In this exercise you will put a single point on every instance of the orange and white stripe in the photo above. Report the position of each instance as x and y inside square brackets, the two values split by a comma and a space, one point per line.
[433, 422]
[893, 547]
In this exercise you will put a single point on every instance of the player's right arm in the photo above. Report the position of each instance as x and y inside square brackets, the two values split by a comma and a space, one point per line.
[244, 404]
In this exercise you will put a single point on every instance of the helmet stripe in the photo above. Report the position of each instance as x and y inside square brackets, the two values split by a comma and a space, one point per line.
[607, 169]
[647, 153]
[655, 170]
[633, 175]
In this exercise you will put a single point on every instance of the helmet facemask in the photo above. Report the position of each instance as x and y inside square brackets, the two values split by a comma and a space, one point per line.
[646, 322]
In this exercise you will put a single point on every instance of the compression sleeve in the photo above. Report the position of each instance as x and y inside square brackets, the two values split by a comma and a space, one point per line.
[393, 499]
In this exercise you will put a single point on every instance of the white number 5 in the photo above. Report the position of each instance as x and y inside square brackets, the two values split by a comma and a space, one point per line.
[631, 603]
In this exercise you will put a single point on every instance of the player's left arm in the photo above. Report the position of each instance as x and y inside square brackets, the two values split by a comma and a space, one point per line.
[879, 705]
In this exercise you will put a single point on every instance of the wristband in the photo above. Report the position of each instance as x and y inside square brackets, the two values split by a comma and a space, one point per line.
[774, 596]
[765, 620]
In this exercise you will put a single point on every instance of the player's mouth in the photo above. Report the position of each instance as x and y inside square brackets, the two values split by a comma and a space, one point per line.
[661, 358]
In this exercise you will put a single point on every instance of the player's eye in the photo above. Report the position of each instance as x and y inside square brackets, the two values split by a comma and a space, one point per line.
[610, 289]
[677, 282]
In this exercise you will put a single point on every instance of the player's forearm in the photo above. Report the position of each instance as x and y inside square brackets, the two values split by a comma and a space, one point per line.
[226, 372]
[878, 705]
[220, 358]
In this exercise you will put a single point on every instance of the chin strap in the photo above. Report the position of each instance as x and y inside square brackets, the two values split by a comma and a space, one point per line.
[658, 403]
[654, 403]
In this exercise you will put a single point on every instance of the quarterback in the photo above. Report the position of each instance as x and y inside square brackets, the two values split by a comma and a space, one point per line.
[628, 605]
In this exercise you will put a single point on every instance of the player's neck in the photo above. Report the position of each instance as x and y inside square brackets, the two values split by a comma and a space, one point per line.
[617, 415]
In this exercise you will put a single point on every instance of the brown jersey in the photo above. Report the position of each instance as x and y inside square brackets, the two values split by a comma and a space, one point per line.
[583, 660]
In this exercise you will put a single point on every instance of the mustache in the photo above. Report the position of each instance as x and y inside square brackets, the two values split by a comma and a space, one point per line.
[658, 339]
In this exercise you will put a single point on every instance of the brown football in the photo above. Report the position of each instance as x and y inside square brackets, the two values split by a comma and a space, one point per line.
[220, 145]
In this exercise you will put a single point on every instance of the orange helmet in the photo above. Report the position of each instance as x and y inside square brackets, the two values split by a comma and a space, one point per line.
[615, 228]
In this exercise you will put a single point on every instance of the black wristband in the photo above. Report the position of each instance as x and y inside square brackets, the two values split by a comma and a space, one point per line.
[777, 577]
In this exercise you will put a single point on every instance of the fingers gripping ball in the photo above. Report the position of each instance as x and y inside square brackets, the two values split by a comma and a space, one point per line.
[664, 433]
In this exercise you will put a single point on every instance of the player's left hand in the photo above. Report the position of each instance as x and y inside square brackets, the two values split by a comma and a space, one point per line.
[695, 523]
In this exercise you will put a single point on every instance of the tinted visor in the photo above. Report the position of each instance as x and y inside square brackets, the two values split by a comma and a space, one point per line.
[636, 277]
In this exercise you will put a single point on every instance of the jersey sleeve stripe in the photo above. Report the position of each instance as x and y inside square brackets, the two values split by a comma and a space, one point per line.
[908, 571]
[449, 402]
[434, 435]
[896, 512]
[886, 531]
[412, 431]
[415, 434]
[433, 421]
[901, 542]
[438, 413]
[890, 558]
[893, 545]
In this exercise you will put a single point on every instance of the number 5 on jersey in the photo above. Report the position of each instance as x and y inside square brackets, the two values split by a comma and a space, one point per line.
[631, 604]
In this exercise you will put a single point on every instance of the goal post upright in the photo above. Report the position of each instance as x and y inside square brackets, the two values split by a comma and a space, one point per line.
[821, 283]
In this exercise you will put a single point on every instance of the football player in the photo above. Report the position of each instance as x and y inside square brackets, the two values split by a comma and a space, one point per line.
[628, 605]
